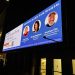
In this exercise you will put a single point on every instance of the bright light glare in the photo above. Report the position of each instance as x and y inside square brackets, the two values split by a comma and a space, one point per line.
[7, 0]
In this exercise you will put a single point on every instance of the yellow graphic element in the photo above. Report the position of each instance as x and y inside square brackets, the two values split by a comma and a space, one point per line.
[43, 66]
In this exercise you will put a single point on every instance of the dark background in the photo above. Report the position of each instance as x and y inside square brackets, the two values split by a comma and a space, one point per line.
[19, 11]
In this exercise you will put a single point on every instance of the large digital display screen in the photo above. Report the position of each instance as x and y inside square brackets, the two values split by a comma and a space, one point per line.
[43, 28]
[13, 38]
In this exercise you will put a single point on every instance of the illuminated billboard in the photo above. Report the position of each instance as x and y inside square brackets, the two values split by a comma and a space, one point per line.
[13, 38]
[44, 28]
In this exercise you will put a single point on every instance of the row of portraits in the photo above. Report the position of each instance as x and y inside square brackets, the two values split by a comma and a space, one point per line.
[50, 20]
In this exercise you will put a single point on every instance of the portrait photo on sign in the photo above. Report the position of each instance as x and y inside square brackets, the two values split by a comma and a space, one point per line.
[51, 19]
[26, 30]
[36, 26]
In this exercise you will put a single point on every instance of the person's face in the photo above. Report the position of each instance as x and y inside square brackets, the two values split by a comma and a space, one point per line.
[26, 29]
[51, 19]
[36, 27]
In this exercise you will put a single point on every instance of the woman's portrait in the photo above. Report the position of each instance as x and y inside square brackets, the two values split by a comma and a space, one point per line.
[26, 31]
[36, 26]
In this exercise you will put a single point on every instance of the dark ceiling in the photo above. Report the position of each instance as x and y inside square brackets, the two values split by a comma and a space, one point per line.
[21, 10]
[3, 6]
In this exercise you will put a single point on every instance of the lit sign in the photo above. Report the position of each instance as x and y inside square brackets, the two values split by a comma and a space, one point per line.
[43, 28]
